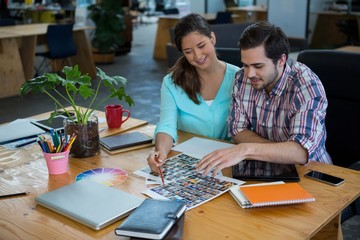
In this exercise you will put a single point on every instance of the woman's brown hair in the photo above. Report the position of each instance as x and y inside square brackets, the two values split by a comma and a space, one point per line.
[183, 73]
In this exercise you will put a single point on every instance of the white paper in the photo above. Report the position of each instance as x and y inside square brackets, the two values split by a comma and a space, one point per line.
[155, 195]
[199, 147]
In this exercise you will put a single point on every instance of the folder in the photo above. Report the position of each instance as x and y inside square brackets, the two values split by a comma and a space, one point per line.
[153, 219]
[18, 129]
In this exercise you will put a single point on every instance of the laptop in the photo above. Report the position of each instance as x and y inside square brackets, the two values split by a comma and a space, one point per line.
[18, 129]
[265, 171]
[90, 203]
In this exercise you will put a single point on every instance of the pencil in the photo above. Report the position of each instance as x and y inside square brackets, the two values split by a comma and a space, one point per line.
[160, 172]
[161, 175]
[14, 194]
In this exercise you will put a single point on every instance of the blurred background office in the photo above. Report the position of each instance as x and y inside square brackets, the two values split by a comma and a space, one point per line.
[144, 60]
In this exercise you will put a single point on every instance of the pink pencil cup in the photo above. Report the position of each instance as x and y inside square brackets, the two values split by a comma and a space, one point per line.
[57, 163]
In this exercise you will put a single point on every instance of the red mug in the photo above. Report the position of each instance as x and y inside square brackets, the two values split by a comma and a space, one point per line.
[114, 115]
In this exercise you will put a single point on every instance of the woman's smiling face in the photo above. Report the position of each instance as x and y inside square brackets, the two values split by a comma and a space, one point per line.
[198, 49]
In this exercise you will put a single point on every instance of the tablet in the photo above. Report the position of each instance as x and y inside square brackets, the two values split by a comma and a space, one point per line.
[57, 123]
[265, 171]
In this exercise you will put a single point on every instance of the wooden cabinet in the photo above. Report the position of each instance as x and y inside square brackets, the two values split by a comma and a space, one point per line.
[326, 32]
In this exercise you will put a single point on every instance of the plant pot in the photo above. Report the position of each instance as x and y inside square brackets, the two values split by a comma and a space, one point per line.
[103, 58]
[87, 142]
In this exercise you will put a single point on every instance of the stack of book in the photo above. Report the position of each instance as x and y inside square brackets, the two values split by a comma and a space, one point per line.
[125, 142]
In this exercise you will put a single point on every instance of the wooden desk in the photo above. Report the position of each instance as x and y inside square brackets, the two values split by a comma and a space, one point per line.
[17, 55]
[166, 22]
[221, 218]
[249, 14]
[355, 49]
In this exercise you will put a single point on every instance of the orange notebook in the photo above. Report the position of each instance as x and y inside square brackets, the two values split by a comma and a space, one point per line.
[279, 194]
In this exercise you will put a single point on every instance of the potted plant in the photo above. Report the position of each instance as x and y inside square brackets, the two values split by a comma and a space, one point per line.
[81, 120]
[108, 17]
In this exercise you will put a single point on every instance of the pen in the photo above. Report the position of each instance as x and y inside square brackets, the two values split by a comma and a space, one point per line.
[14, 194]
[25, 143]
[160, 172]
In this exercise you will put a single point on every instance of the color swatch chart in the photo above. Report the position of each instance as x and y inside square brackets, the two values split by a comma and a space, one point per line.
[106, 176]
[183, 182]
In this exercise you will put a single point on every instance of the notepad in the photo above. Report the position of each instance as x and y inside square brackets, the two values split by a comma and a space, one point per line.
[271, 195]
[124, 141]
[153, 219]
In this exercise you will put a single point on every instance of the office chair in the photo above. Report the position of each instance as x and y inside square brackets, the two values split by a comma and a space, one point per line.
[223, 17]
[61, 47]
[297, 44]
[168, 11]
[160, 6]
[339, 71]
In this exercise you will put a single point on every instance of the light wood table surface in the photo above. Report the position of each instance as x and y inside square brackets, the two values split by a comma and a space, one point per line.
[355, 49]
[220, 218]
[17, 54]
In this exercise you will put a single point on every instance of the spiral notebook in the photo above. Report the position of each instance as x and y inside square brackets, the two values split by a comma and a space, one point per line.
[270, 195]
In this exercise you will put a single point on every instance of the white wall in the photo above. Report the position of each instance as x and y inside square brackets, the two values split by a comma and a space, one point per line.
[246, 2]
[197, 6]
[261, 3]
[214, 6]
[290, 15]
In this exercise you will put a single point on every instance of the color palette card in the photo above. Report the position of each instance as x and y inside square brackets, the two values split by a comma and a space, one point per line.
[106, 176]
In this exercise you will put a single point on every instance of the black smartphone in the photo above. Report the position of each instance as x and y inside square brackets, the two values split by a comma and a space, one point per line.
[325, 178]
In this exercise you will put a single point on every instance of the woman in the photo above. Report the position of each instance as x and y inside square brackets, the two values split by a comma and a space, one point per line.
[195, 94]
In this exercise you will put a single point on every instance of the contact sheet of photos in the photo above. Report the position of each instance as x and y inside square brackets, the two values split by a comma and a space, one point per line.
[182, 182]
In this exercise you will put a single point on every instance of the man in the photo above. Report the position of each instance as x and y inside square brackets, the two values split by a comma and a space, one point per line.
[278, 106]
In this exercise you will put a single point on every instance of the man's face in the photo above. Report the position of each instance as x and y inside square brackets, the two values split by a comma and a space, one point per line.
[260, 70]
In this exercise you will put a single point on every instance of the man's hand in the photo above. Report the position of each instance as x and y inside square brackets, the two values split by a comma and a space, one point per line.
[221, 159]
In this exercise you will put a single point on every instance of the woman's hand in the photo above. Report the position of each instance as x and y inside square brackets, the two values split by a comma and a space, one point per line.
[155, 160]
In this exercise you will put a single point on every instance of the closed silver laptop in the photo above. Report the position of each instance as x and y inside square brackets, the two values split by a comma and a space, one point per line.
[90, 203]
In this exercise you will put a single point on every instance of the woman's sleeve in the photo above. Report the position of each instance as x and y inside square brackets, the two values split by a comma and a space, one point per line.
[168, 109]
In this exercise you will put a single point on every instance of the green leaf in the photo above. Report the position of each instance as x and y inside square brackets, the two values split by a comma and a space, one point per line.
[86, 92]
[76, 83]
